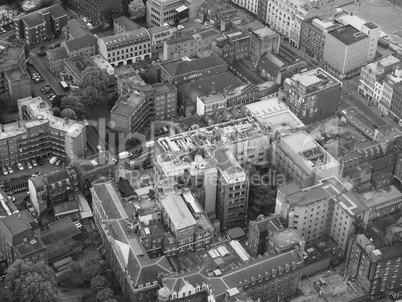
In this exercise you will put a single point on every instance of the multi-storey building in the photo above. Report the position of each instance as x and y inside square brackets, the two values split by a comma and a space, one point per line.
[75, 28]
[180, 71]
[325, 208]
[160, 12]
[13, 61]
[103, 64]
[20, 238]
[301, 158]
[345, 51]
[251, 6]
[372, 77]
[96, 11]
[165, 99]
[44, 134]
[38, 133]
[376, 269]
[55, 59]
[159, 35]
[312, 37]
[258, 233]
[312, 95]
[232, 190]
[85, 45]
[41, 25]
[392, 94]
[232, 46]
[75, 66]
[7, 207]
[8, 12]
[123, 24]
[126, 48]
[261, 41]
[190, 228]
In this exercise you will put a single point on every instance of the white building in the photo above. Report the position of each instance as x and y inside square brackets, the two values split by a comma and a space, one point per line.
[250, 5]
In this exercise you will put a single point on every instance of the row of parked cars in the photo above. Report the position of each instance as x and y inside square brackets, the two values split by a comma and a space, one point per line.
[36, 77]
[55, 161]
[48, 90]
[29, 164]
[6, 28]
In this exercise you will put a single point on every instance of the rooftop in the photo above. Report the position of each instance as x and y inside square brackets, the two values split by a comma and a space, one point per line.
[286, 238]
[312, 80]
[15, 74]
[348, 35]
[264, 32]
[80, 43]
[377, 197]
[7, 208]
[181, 67]
[59, 230]
[94, 163]
[20, 222]
[78, 64]
[100, 61]
[58, 53]
[127, 23]
[133, 35]
[177, 210]
[77, 28]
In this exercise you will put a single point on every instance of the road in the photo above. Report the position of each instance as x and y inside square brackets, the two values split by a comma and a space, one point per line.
[52, 79]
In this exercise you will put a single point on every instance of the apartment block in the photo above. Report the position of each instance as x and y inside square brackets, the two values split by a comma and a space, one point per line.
[55, 59]
[20, 238]
[85, 45]
[302, 159]
[75, 28]
[124, 24]
[159, 35]
[325, 208]
[312, 95]
[165, 98]
[160, 12]
[371, 80]
[75, 66]
[41, 25]
[126, 48]
[345, 51]
[190, 45]
[392, 94]
[96, 11]
[16, 82]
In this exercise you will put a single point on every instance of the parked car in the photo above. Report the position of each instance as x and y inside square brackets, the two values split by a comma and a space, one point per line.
[11, 198]
[3, 30]
[58, 163]
[53, 160]
[36, 174]
[20, 166]
[34, 163]
[78, 225]
[4, 170]
[29, 166]
[52, 98]
[10, 170]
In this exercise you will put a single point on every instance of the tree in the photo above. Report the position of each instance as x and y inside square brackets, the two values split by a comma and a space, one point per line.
[73, 103]
[5, 105]
[90, 269]
[93, 84]
[68, 113]
[34, 282]
[99, 282]
[56, 111]
[57, 100]
[137, 9]
[45, 3]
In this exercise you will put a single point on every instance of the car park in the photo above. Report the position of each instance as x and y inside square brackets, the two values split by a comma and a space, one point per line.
[34, 163]
[29, 166]
[53, 160]
[10, 170]
[20, 166]
[58, 163]
[4, 170]
[11, 198]
[40, 161]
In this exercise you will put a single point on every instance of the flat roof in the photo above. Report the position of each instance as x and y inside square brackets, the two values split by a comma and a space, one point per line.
[348, 35]
[376, 197]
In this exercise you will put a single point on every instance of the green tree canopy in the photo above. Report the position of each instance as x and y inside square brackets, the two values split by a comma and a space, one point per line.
[137, 9]
[93, 84]
[56, 111]
[68, 113]
[99, 282]
[73, 103]
[91, 268]
[33, 282]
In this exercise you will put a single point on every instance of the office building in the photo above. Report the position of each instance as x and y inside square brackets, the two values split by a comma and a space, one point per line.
[392, 94]
[232, 46]
[159, 35]
[371, 80]
[251, 6]
[261, 41]
[302, 159]
[126, 48]
[312, 95]
[325, 208]
[20, 238]
[85, 45]
[258, 233]
[123, 24]
[165, 97]
[40, 25]
[95, 11]
[345, 51]
[161, 12]
[15, 83]
[55, 59]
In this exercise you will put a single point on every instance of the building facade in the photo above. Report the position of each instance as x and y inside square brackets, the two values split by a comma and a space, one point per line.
[96, 11]
[160, 12]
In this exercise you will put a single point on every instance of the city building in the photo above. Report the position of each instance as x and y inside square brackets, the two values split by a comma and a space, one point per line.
[160, 12]
[345, 51]
[126, 48]
[302, 159]
[392, 92]
[312, 37]
[123, 24]
[7, 207]
[312, 95]
[8, 12]
[159, 35]
[198, 43]
[258, 233]
[20, 238]
[371, 80]
[280, 241]
[325, 208]
[136, 273]
[75, 66]
[41, 25]
[75, 28]
[376, 269]
[96, 11]
[62, 239]
[55, 59]
[180, 71]
[261, 41]
[251, 6]
[13, 63]
[165, 98]
[232, 46]
[103, 64]
[85, 45]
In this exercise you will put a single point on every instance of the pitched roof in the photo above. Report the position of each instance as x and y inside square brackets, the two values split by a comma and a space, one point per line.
[59, 230]
[78, 28]
[58, 53]
[181, 67]
[34, 19]
[127, 23]
[178, 211]
[80, 42]
[57, 11]
[57, 176]
[125, 37]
